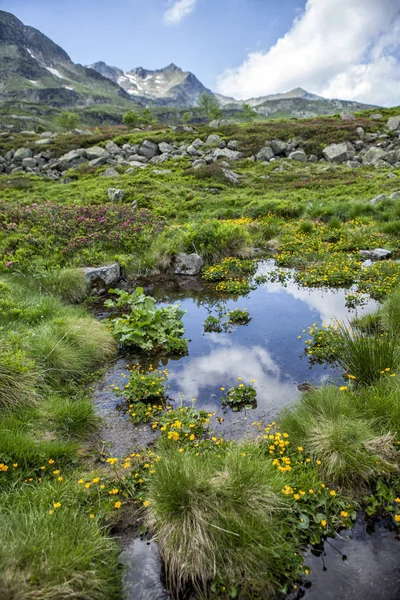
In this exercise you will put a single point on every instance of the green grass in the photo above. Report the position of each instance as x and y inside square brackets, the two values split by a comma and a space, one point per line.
[224, 517]
[56, 556]
[351, 444]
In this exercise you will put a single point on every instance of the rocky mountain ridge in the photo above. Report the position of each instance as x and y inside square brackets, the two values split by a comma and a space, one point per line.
[36, 71]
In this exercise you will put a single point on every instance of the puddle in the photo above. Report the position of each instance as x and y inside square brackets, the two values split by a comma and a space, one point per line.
[361, 564]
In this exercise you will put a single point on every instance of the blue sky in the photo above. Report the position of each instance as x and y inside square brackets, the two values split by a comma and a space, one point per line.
[348, 49]
[217, 35]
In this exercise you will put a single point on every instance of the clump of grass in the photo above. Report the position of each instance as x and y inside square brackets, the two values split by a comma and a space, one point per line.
[71, 347]
[70, 416]
[57, 556]
[330, 426]
[366, 357]
[391, 313]
[220, 517]
[381, 403]
[18, 379]
[68, 284]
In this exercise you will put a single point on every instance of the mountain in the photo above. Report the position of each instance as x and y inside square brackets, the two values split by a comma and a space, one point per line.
[169, 86]
[38, 80]
[34, 69]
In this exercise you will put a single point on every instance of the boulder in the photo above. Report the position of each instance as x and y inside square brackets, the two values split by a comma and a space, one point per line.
[395, 196]
[336, 153]
[373, 156]
[265, 154]
[376, 116]
[136, 164]
[298, 155]
[360, 132]
[198, 143]
[71, 159]
[346, 116]
[376, 254]
[29, 163]
[393, 123]
[113, 149]
[111, 172]
[164, 147]
[231, 176]
[156, 160]
[102, 278]
[213, 140]
[377, 199]
[98, 162]
[22, 153]
[115, 194]
[353, 164]
[148, 149]
[44, 142]
[226, 153]
[188, 264]
[313, 158]
[232, 145]
[278, 147]
[95, 152]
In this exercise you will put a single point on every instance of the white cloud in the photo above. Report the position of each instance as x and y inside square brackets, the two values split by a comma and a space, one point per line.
[178, 10]
[347, 49]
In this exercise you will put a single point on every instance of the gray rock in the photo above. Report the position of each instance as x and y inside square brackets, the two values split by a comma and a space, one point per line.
[136, 164]
[336, 153]
[373, 155]
[377, 199]
[72, 158]
[376, 254]
[232, 145]
[360, 132]
[376, 116]
[192, 151]
[162, 171]
[9, 155]
[22, 153]
[98, 162]
[213, 140]
[353, 164]
[95, 152]
[278, 147]
[198, 143]
[113, 149]
[395, 196]
[393, 123]
[312, 158]
[164, 147]
[367, 263]
[345, 116]
[110, 172]
[188, 264]
[115, 194]
[265, 154]
[231, 176]
[102, 278]
[138, 158]
[44, 142]
[198, 163]
[29, 163]
[226, 153]
[157, 160]
[222, 144]
[148, 149]
[298, 155]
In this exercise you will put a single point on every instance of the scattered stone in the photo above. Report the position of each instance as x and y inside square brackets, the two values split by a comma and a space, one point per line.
[44, 142]
[376, 254]
[367, 263]
[336, 153]
[226, 153]
[298, 155]
[232, 145]
[71, 159]
[22, 153]
[345, 116]
[231, 176]
[353, 164]
[373, 156]
[29, 163]
[395, 196]
[360, 132]
[162, 171]
[115, 194]
[148, 149]
[278, 147]
[188, 264]
[101, 278]
[376, 116]
[313, 158]
[112, 148]
[377, 199]
[265, 154]
[306, 386]
[95, 152]
[110, 172]
[393, 123]
[213, 140]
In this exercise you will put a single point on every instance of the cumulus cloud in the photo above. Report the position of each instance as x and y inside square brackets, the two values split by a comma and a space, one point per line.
[347, 49]
[178, 10]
